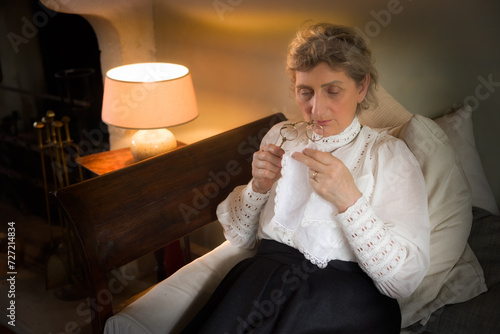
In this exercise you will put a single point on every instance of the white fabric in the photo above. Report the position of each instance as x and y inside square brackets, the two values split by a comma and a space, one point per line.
[171, 304]
[386, 231]
[454, 274]
[458, 127]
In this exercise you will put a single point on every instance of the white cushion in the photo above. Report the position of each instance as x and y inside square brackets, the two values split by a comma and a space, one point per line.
[454, 274]
[459, 129]
[170, 305]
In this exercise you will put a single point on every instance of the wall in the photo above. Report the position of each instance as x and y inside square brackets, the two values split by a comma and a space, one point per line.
[430, 55]
[20, 60]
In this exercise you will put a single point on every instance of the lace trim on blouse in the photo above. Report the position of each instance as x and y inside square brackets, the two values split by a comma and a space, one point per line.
[378, 253]
[245, 211]
[329, 144]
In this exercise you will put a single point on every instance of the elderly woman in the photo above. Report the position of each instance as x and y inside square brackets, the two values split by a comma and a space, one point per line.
[338, 210]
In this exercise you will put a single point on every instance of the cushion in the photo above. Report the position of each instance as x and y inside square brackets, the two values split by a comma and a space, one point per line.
[387, 112]
[454, 274]
[482, 313]
[458, 127]
[170, 305]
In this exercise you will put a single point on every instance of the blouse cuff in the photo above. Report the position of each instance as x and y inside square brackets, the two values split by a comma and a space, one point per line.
[355, 210]
[245, 209]
[377, 250]
[253, 198]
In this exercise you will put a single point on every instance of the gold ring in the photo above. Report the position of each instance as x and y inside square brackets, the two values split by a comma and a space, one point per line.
[314, 175]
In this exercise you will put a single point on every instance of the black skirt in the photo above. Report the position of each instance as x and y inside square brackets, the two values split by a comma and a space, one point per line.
[279, 291]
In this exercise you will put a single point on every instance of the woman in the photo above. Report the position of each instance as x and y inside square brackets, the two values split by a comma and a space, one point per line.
[341, 222]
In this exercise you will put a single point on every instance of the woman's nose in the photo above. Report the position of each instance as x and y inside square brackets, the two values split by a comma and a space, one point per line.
[317, 107]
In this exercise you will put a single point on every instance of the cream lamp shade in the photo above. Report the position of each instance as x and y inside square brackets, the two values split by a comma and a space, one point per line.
[149, 96]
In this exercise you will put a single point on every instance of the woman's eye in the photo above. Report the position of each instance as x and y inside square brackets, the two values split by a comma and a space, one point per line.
[305, 93]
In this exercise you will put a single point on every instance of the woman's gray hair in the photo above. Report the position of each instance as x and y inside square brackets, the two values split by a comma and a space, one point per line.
[338, 46]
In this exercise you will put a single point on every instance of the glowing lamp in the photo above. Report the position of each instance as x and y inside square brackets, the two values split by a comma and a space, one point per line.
[149, 97]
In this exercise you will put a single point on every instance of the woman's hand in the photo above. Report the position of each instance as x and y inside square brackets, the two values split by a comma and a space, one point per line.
[330, 178]
[266, 167]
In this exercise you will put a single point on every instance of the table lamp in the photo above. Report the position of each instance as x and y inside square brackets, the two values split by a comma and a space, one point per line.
[149, 97]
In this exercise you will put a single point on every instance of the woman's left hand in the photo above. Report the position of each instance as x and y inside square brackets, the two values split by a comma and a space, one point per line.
[330, 178]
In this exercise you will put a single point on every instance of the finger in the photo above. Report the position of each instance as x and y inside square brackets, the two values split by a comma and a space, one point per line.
[273, 149]
[325, 158]
[308, 161]
[266, 160]
[265, 174]
[266, 166]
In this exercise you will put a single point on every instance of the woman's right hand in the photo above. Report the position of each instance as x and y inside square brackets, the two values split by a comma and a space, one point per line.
[266, 167]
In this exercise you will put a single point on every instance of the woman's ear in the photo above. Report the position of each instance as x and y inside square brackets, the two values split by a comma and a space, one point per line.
[363, 88]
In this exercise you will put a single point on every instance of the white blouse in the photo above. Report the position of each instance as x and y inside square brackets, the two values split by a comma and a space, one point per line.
[386, 231]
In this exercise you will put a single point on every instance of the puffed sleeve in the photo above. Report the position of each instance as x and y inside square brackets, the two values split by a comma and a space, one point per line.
[389, 231]
[239, 213]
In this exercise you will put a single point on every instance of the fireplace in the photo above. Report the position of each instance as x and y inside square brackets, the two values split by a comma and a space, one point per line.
[51, 61]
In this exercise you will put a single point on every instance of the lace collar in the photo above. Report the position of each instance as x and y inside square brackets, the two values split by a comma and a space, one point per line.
[329, 144]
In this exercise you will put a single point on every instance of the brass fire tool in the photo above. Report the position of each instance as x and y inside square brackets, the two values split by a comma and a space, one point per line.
[61, 263]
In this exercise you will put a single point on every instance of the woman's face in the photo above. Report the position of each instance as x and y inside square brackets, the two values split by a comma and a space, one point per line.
[328, 97]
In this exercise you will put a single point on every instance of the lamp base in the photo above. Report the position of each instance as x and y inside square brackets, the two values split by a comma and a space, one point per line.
[148, 143]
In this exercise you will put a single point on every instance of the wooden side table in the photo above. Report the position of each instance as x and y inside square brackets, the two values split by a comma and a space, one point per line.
[109, 161]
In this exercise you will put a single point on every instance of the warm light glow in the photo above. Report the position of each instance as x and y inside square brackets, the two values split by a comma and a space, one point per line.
[149, 96]
[147, 72]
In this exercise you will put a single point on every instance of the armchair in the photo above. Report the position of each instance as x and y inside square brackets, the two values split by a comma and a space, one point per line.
[123, 215]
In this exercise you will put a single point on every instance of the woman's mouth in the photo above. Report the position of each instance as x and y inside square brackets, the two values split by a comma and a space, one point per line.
[322, 123]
